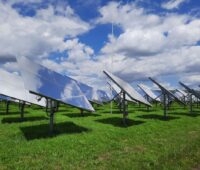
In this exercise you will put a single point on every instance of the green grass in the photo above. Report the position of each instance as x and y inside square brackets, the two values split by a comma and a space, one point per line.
[99, 140]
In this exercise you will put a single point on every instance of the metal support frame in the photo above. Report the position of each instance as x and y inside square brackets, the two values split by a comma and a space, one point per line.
[184, 100]
[22, 110]
[19, 105]
[47, 105]
[148, 99]
[52, 112]
[57, 106]
[191, 103]
[7, 106]
[81, 110]
[169, 101]
[165, 104]
[125, 113]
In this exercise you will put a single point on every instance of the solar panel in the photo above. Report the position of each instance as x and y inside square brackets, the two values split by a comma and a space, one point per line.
[148, 92]
[12, 85]
[179, 94]
[182, 92]
[193, 92]
[103, 95]
[47, 83]
[5, 97]
[128, 89]
[166, 91]
[90, 93]
[117, 90]
[113, 93]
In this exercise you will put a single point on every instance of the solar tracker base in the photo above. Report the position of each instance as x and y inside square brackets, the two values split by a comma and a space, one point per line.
[165, 104]
[7, 106]
[148, 99]
[53, 107]
[191, 103]
[125, 113]
[51, 124]
[22, 110]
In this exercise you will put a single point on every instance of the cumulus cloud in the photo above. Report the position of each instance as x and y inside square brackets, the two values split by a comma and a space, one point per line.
[148, 45]
[172, 4]
[38, 35]
[147, 34]
[136, 42]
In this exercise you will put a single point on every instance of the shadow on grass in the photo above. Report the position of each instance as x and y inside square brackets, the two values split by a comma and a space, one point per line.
[113, 112]
[42, 131]
[193, 114]
[157, 117]
[25, 119]
[61, 111]
[177, 108]
[37, 108]
[146, 110]
[117, 122]
[77, 115]
[12, 113]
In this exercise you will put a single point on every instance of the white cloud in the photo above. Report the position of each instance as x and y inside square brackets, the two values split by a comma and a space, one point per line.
[180, 61]
[172, 4]
[149, 44]
[126, 16]
[11, 2]
[38, 35]
[145, 34]
[136, 42]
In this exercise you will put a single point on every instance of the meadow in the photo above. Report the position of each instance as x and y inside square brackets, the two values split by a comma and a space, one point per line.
[99, 140]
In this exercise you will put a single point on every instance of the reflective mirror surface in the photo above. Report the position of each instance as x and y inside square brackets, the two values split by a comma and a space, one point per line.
[166, 91]
[117, 90]
[44, 82]
[12, 85]
[148, 92]
[130, 91]
[193, 92]
[91, 93]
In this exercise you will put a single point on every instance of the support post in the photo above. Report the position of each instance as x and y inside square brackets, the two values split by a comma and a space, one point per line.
[19, 105]
[147, 97]
[168, 101]
[7, 106]
[47, 105]
[81, 112]
[165, 105]
[124, 109]
[184, 100]
[57, 106]
[22, 110]
[52, 111]
[191, 103]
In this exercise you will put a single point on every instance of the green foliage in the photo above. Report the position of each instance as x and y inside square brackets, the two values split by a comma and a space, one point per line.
[99, 140]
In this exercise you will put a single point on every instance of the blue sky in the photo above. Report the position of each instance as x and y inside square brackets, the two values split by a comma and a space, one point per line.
[151, 38]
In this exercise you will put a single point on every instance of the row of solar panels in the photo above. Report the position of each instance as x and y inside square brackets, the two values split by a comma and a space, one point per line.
[46, 83]
[41, 86]
[166, 97]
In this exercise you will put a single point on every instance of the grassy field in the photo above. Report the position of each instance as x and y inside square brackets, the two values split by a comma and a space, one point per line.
[99, 141]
